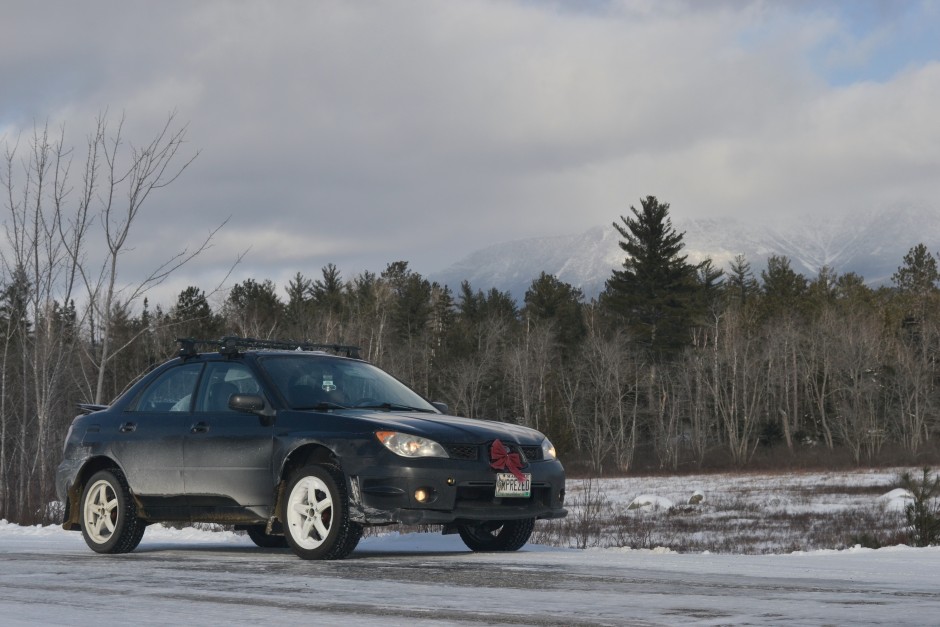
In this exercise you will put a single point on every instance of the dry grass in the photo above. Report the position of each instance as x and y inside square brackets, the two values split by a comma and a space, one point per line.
[780, 517]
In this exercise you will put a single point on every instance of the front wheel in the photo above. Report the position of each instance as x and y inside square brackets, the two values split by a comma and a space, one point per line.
[109, 514]
[315, 514]
[496, 535]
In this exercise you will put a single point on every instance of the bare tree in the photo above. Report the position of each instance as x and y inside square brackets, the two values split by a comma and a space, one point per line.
[40, 275]
[48, 264]
[784, 376]
[466, 379]
[601, 393]
[118, 181]
[858, 388]
[737, 384]
[529, 366]
[818, 357]
[915, 389]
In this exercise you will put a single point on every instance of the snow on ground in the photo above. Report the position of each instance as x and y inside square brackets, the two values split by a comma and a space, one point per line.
[734, 513]
[49, 576]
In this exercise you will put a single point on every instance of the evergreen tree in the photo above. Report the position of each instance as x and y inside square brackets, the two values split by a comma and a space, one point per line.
[741, 286]
[192, 316]
[655, 292]
[412, 305]
[299, 308]
[823, 290]
[919, 274]
[549, 299]
[477, 307]
[442, 313]
[784, 289]
[916, 282]
[254, 309]
[711, 284]
[298, 291]
[328, 293]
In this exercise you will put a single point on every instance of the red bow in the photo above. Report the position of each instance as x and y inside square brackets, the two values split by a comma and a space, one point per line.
[502, 459]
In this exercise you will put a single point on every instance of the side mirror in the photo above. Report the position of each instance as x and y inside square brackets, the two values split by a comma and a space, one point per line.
[248, 403]
[441, 407]
[252, 404]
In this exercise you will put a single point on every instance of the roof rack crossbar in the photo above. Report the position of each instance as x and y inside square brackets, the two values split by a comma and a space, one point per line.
[230, 345]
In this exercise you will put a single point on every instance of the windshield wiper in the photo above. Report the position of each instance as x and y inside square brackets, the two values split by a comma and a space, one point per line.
[323, 405]
[395, 407]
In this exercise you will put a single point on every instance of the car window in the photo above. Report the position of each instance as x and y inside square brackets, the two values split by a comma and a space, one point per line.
[306, 381]
[172, 391]
[220, 382]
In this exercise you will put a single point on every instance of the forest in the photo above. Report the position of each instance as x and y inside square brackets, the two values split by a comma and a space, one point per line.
[674, 367]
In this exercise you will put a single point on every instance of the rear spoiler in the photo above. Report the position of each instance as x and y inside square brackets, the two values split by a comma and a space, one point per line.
[90, 408]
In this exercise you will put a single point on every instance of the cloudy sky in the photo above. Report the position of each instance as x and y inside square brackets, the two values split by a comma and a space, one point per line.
[361, 133]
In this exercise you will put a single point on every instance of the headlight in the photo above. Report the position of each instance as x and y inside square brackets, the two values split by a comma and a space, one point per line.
[548, 450]
[410, 445]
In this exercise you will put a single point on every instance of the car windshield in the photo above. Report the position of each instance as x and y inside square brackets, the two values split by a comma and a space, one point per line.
[321, 382]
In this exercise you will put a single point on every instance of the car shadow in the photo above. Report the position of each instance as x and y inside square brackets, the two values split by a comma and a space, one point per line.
[231, 549]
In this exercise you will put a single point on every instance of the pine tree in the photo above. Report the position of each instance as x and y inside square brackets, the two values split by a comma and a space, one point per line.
[550, 299]
[741, 286]
[655, 294]
[298, 312]
[784, 290]
[916, 282]
[254, 309]
[412, 305]
[328, 292]
[192, 316]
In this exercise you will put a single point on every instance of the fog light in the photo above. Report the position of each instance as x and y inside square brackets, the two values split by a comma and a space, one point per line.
[422, 495]
[451, 481]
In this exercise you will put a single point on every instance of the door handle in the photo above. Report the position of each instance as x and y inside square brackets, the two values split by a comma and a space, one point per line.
[200, 427]
[127, 427]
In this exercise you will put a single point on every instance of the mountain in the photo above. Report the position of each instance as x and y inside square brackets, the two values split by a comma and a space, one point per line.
[871, 244]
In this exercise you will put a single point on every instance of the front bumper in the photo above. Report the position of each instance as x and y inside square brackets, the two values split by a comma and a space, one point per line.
[458, 492]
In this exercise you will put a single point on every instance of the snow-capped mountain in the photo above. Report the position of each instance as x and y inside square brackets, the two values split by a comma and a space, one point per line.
[870, 244]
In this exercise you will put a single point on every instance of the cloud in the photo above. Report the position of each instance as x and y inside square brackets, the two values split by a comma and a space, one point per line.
[365, 133]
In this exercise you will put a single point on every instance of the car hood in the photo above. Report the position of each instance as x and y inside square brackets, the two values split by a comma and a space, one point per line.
[452, 429]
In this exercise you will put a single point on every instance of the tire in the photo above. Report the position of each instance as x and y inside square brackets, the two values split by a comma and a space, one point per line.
[496, 535]
[315, 514]
[109, 515]
[264, 540]
[352, 538]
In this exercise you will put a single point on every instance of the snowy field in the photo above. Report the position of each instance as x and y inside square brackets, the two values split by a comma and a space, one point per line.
[189, 576]
[735, 513]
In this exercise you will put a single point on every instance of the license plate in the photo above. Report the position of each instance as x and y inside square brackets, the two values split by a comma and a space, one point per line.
[508, 486]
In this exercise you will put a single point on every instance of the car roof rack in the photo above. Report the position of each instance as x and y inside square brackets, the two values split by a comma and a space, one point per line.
[233, 345]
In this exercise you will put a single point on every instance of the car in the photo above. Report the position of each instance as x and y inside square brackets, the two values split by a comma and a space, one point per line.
[300, 445]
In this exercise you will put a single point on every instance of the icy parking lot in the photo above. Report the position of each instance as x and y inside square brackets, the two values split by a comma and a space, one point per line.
[49, 576]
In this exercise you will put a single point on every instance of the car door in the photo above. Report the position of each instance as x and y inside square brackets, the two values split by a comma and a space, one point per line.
[226, 453]
[148, 439]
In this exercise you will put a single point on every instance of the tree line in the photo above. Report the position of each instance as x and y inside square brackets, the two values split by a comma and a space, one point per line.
[675, 365]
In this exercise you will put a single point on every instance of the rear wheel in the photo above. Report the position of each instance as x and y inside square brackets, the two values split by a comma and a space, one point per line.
[109, 514]
[315, 514]
[265, 540]
[496, 535]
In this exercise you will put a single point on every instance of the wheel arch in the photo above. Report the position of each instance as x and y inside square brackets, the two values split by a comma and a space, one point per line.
[72, 518]
[303, 455]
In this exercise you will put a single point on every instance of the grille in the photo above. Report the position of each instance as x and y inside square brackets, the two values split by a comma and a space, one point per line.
[471, 452]
[532, 453]
[463, 451]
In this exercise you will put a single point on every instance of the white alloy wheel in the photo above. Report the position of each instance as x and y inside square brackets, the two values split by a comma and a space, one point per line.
[101, 511]
[109, 514]
[310, 512]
